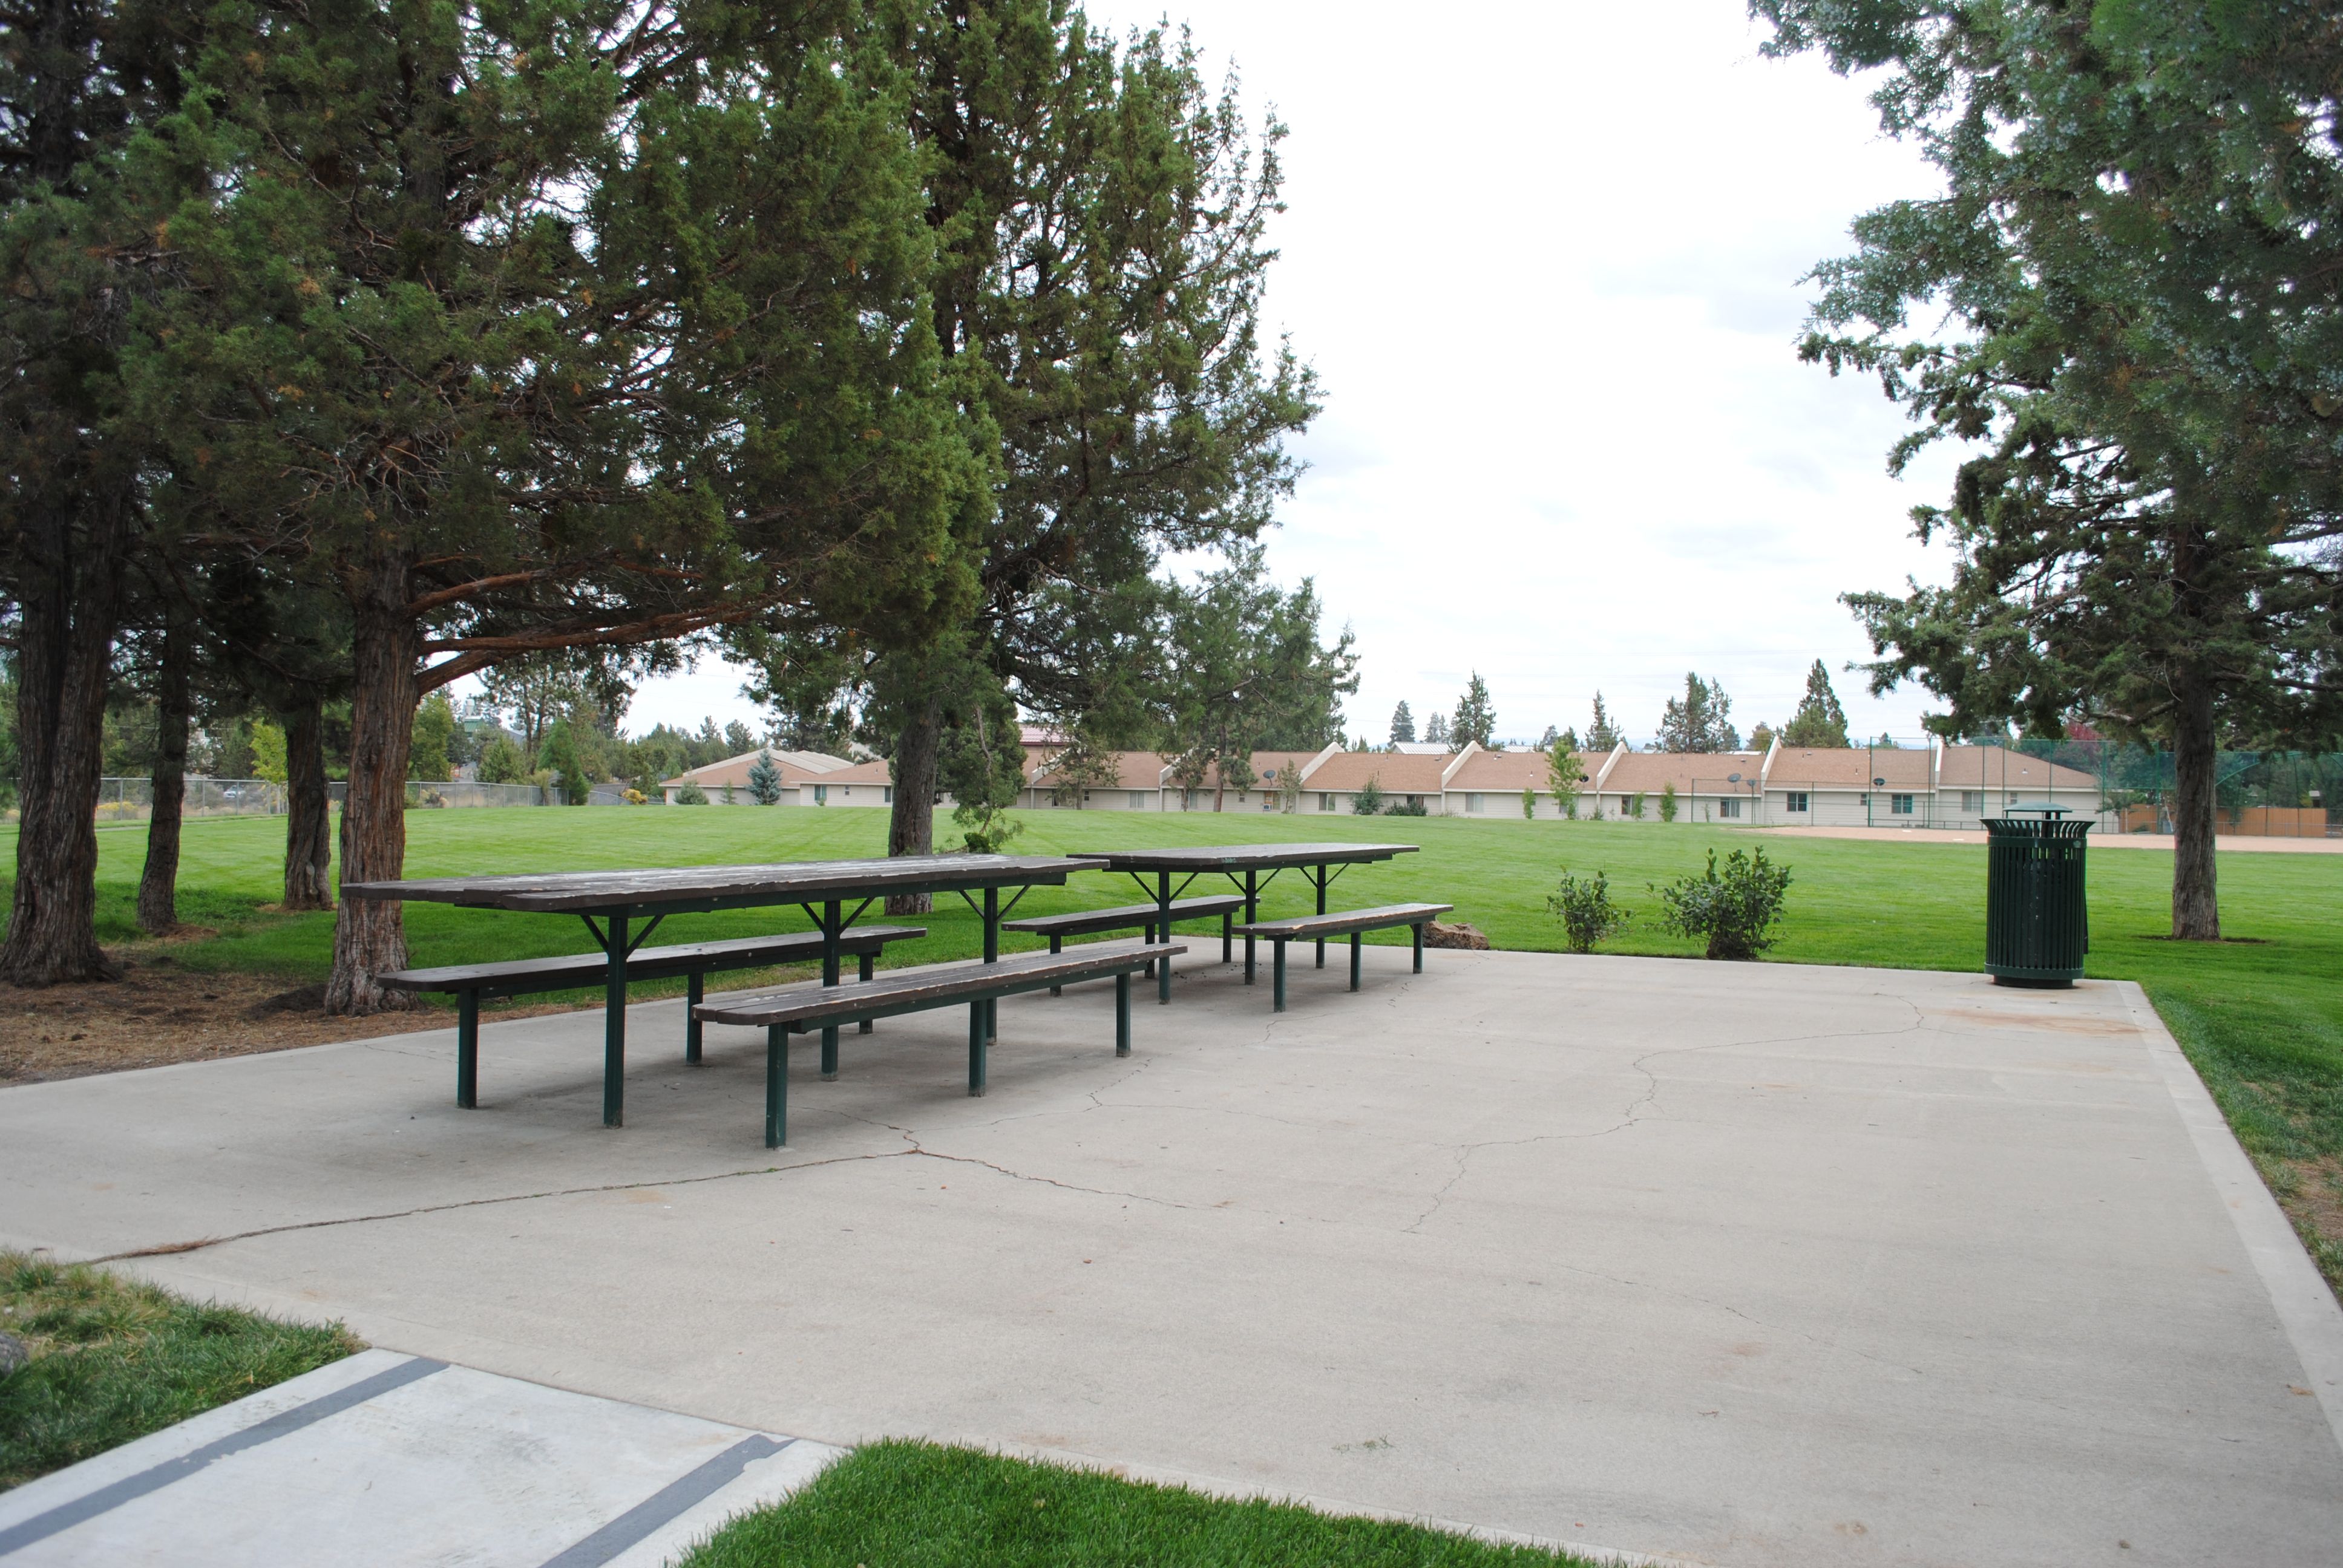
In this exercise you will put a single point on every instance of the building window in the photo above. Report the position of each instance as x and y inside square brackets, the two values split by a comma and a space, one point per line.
[1138, 799]
[1325, 801]
[1472, 802]
[1972, 800]
[1899, 805]
[1797, 799]
[886, 794]
[822, 794]
[1414, 801]
[1728, 808]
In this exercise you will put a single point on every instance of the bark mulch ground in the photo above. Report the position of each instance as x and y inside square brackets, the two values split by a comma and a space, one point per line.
[160, 1013]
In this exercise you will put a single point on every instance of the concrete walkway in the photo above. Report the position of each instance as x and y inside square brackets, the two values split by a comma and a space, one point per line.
[1740, 1264]
[384, 1459]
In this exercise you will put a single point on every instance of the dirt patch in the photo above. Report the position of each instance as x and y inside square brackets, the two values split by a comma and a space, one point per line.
[159, 1012]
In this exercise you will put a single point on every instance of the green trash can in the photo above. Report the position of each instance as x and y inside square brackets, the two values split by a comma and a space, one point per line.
[2037, 925]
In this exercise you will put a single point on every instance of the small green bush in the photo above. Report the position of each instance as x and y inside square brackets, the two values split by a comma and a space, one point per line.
[1732, 911]
[692, 794]
[1369, 802]
[1405, 809]
[1585, 910]
[1529, 805]
[1668, 802]
[1635, 805]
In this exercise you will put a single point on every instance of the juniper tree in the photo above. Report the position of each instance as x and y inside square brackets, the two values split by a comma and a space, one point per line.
[2137, 260]
[1699, 720]
[585, 324]
[1475, 720]
[1403, 725]
[1820, 723]
[1602, 735]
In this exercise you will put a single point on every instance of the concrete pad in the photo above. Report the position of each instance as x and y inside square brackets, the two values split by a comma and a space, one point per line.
[388, 1459]
[1748, 1264]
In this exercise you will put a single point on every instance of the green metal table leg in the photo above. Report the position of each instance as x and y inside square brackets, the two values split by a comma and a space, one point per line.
[1122, 1014]
[467, 1048]
[1419, 949]
[1057, 946]
[696, 989]
[614, 1022]
[1253, 913]
[991, 956]
[864, 970]
[977, 1026]
[1163, 919]
[1228, 935]
[1277, 964]
[1354, 960]
[777, 1085]
[1320, 879]
[832, 927]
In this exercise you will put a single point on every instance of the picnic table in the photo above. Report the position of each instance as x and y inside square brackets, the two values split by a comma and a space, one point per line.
[1320, 865]
[823, 889]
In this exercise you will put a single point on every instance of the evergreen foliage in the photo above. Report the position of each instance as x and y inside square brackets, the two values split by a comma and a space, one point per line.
[1668, 802]
[1475, 720]
[1403, 725]
[1820, 723]
[765, 779]
[427, 747]
[1369, 802]
[1435, 730]
[1699, 720]
[1602, 736]
[2136, 264]
[1566, 774]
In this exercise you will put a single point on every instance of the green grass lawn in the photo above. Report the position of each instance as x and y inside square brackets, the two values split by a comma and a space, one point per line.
[114, 1360]
[916, 1505]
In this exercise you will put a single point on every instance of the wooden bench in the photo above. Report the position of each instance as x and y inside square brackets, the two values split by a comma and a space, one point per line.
[802, 1009]
[695, 960]
[1351, 923]
[1133, 918]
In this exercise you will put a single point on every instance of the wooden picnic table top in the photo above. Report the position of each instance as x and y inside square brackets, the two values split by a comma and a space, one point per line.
[1242, 857]
[781, 883]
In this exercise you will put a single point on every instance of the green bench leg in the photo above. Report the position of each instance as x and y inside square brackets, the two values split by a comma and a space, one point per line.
[869, 967]
[1419, 949]
[696, 989]
[1228, 935]
[777, 1085]
[1354, 960]
[978, 1027]
[467, 1048]
[1057, 946]
[1147, 935]
[829, 1054]
[1277, 967]
[1122, 1014]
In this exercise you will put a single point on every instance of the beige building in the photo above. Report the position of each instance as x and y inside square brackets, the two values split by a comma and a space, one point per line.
[1941, 787]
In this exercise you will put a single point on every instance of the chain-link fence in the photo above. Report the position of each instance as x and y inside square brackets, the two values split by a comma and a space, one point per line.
[2117, 787]
[133, 799]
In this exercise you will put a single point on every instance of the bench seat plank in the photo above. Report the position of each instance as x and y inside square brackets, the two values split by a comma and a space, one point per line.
[1351, 923]
[1124, 917]
[568, 970]
[801, 1009]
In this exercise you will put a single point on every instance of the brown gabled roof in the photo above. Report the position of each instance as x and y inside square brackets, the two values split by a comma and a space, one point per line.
[1133, 770]
[796, 768]
[1853, 768]
[1997, 767]
[1395, 774]
[1691, 772]
[1514, 770]
[874, 772]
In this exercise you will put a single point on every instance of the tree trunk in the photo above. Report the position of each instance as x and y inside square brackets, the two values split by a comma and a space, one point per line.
[369, 937]
[69, 599]
[2196, 902]
[309, 854]
[912, 825]
[158, 886]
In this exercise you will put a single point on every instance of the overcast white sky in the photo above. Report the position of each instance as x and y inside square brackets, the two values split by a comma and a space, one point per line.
[1545, 257]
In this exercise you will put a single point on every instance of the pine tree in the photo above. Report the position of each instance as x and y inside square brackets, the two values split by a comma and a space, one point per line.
[1602, 735]
[1698, 721]
[1403, 725]
[1435, 730]
[1475, 720]
[1820, 723]
[764, 779]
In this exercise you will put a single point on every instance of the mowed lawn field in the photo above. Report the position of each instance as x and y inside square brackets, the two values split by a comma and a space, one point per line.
[2261, 1014]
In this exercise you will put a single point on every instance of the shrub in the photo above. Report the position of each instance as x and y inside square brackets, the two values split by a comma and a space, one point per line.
[1635, 805]
[692, 794]
[1585, 910]
[1529, 805]
[1369, 802]
[1733, 910]
[1668, 802]
[1405, 809]
[635, 797]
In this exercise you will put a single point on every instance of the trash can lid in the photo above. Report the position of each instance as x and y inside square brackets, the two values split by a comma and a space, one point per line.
[2039, 807]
